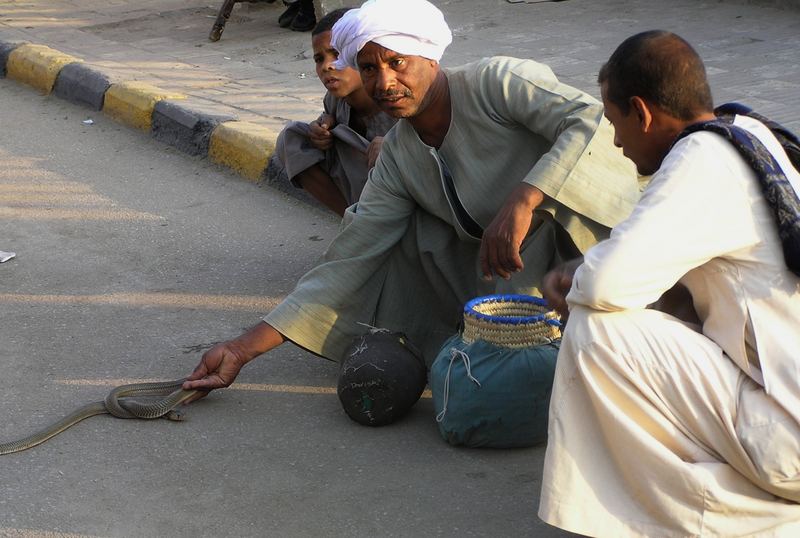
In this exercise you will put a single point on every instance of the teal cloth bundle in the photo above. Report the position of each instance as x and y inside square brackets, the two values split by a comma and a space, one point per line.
[491, 383]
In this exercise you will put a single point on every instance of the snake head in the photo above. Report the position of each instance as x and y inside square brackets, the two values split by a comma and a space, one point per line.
[178, 415]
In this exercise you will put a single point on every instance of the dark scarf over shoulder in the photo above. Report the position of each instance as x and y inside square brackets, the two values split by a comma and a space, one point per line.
[777, 190]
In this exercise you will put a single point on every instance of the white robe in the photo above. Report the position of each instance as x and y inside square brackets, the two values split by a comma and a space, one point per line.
[659, 428]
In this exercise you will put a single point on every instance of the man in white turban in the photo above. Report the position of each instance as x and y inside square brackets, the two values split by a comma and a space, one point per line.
[496, 170]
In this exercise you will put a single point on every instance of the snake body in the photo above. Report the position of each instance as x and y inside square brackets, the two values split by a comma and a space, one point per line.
[120, 403]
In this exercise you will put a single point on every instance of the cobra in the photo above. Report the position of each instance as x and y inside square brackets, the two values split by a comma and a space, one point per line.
[121, 402]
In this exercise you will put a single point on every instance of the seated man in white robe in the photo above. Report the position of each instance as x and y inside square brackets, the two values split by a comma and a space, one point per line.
[663, 425]
[494, 169]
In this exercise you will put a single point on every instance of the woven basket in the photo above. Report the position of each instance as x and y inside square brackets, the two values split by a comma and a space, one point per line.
[512, 321]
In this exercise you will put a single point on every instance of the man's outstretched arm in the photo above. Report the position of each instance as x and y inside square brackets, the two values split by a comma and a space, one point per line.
[221, 364]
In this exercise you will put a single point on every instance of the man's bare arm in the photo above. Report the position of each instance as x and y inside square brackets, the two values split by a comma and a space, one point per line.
[503, 237]
[221, 364]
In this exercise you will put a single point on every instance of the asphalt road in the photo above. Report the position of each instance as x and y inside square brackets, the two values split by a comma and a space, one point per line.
[131, 260]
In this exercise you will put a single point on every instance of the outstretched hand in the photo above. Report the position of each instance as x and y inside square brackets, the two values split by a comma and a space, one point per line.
[217, 369]
[221, 364]
[503, 237]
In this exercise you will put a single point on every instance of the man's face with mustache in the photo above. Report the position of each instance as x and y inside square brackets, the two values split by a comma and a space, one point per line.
[398, 83]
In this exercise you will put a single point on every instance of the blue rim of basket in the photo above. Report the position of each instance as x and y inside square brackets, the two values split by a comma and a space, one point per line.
[469, 309]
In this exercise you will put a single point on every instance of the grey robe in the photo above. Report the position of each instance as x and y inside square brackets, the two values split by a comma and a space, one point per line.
[403, 259]
[346, 161]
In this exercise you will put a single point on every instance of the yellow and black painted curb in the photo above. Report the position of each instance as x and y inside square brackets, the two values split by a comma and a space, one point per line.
[244, 147]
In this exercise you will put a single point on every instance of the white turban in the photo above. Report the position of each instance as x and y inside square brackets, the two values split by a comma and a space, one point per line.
[413, 27]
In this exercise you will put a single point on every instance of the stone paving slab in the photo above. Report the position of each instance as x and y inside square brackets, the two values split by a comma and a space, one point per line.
[264, 75]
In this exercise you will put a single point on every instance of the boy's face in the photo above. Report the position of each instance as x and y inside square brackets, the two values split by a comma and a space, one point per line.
[339, 83]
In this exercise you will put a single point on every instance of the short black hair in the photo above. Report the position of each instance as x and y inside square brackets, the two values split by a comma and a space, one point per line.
[662, 68]
[326, 23]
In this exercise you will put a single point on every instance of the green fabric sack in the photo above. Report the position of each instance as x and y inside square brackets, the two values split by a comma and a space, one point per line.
[486, 395]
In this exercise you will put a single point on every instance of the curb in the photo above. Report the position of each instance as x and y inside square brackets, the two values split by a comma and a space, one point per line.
[244, 147]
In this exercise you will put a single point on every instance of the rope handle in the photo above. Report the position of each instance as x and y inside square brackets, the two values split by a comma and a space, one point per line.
[465, 359]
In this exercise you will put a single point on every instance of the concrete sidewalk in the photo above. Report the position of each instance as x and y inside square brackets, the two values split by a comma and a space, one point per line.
[149, 63]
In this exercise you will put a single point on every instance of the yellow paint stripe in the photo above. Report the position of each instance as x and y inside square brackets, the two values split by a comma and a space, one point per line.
[108, 382]
[32, 172]
[295, 389]
[55, 188]
[244, 147]
[25, 213]
[7, 532]
[34, 198]
[247, 303]
[254, 387]
[37, 65]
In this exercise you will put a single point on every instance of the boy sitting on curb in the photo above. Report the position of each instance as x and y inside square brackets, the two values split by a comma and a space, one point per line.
[330, 157]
